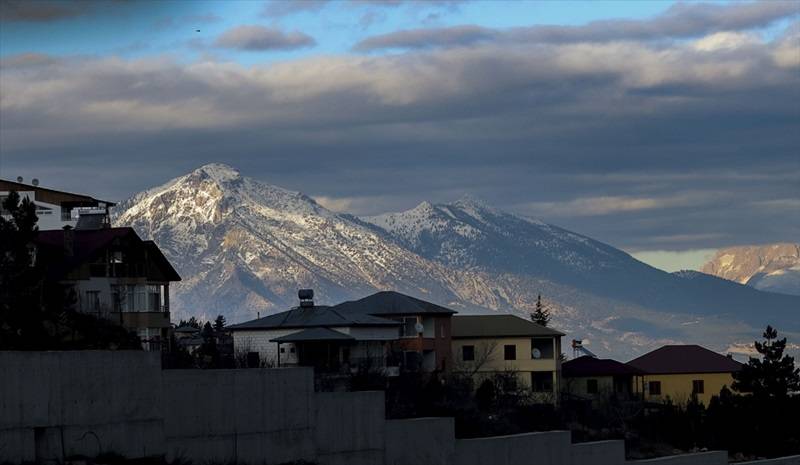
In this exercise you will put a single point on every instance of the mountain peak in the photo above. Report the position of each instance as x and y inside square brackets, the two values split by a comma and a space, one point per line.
[219, 172]
[470, 202]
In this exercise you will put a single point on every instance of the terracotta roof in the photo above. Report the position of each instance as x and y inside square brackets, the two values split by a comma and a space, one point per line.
[392, 303]
[590, 366]
[500, 325]
[684, 359]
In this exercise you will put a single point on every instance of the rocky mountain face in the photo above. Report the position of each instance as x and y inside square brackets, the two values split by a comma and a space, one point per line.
[770, 267]
[244, 247]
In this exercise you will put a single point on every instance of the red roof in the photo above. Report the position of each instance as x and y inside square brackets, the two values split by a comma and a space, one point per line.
[590, 366]
[685, 359]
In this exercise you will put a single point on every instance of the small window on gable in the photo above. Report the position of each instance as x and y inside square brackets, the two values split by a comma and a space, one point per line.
[698, 386]
[468, 353]
[654, 387]
[510, 352]
[591, 386]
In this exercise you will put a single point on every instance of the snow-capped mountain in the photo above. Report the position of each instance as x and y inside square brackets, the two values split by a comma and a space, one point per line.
[770, 267]
[244, 247]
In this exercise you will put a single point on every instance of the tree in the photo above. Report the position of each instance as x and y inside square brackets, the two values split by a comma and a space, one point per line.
[219, 323]
[541, 315]
[193, 322]
[772, 376]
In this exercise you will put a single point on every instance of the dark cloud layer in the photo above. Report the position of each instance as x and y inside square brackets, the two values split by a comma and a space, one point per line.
[259, 38]
[669, 145]
[43, 10]
[680, 21]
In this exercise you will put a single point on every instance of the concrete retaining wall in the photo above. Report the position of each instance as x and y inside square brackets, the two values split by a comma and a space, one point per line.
[251, 416]
[702, 458]
[57, 404]
[599, 453]
[793, 460]
[420, 440]
[549, 448]
[349, 428]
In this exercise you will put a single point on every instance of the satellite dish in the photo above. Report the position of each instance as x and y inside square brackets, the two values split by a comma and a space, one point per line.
[419, 328]
[35, 182]
[536, 353]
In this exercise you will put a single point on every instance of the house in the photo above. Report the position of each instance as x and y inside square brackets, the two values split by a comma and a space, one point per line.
[114, 275]
[681, 372]
[488, 344]
[588, 377]
[315, 335]
[56, 209]
[424, 340]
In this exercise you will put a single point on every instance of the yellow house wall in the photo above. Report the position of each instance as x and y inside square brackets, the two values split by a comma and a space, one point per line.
[494, 362]
[678, 387]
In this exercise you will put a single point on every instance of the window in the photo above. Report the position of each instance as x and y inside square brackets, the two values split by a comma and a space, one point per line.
[66, 213]
[542, 381]
[92, 301]
[591, 386]
[698, 386]
[441, 329]
[116, 256]
[291, 350]
[654, 387]
[467, 353]
[283, 350]
[510, 352]
[136, 298]
[543, 346]
[408, 328]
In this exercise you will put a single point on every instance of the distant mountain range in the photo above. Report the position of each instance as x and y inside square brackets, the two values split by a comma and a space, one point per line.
[770, 267]
[244, 247]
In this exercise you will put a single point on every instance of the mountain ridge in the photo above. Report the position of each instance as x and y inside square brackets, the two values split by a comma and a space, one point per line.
[245, 247]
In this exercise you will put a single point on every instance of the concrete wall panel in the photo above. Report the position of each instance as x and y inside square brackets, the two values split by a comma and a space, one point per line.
[793, 460]
[702, 458]
[598, 453]
[549, 448]
[350, 422]
[420, 440]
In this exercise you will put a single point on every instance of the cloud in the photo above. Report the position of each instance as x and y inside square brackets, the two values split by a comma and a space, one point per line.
[674, 145]
[281, 8]
[424, 38]
[260, 38]
[682, 20]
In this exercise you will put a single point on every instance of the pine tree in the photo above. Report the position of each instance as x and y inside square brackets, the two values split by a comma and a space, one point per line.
[541, 315]
[772, 376]
[219, 323]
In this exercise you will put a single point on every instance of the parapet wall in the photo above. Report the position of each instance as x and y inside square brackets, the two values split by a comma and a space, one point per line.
[59, 404]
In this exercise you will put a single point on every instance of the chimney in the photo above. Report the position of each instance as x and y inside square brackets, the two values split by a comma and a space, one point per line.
[306, 297]
[69, 241]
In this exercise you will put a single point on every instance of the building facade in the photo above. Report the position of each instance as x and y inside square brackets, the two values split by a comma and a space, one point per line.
[484, 345]
[598, 380]
[683, 372]
[56, 209]
[114, 275]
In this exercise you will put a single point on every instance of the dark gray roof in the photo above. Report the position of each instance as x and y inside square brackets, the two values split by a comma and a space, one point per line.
[311, 317]
[684, 359]
[314, 334]
[501, 325]
[391, 303]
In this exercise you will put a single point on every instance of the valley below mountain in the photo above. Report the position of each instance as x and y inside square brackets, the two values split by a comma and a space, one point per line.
[243, 248]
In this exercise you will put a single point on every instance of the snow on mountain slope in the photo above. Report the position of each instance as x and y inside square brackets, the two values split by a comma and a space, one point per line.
[770, 267]
[469, 234]
[242, 246]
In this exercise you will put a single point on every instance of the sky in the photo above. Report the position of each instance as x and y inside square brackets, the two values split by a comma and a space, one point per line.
[667, 129]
